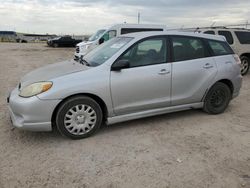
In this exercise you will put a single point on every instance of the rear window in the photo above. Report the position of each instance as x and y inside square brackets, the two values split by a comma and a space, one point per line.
[134, 30]
[227, 35]
[244, 37]
[220, 48]
[210, 32]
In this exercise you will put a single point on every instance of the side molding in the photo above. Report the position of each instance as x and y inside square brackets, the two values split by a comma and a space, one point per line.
[148, 113]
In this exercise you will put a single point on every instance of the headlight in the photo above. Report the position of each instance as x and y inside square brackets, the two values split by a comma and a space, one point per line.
[35, 89]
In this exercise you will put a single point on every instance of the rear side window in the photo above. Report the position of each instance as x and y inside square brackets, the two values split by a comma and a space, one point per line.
[227, 35]
[244, 37]
[210, 32]
[220, 48]
[134, 30]
[187, 48]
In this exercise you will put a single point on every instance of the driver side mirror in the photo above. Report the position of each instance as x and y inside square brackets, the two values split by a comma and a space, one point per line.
[101, 40]
[120, 64]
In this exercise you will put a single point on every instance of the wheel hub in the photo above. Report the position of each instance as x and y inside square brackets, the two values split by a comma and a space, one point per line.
[80, 119]
[218, 98]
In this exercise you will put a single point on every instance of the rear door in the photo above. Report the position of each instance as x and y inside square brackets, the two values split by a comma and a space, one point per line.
[192, 69]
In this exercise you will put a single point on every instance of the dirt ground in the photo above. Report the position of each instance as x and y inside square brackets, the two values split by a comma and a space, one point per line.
[189, 149]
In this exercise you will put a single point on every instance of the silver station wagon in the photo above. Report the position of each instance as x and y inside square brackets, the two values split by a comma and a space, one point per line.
[129, 77]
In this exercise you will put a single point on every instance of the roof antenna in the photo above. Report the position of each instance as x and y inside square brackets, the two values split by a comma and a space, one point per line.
[139, 17]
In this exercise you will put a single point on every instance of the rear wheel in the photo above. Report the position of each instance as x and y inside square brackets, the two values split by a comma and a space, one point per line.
[245, 61]
[217, 99]
[79, 117]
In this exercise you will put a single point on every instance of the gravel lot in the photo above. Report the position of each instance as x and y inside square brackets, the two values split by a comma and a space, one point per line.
[189, 149]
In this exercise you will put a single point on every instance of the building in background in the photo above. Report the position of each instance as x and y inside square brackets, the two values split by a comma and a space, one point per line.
[8, 36]
[12, 36]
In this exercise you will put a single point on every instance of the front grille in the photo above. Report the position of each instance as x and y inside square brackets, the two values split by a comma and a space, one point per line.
[77, 49]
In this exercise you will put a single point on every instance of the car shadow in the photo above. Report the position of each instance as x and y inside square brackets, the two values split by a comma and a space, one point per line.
[148, 121]
[55, 136]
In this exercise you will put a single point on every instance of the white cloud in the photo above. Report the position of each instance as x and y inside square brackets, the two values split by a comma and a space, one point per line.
[81, 17]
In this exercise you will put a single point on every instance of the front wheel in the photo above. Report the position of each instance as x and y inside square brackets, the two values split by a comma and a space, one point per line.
[79, 117]
[217, 99]
[245, 62]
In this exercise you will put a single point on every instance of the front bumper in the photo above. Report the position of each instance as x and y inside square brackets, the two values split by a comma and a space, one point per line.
[32, 113]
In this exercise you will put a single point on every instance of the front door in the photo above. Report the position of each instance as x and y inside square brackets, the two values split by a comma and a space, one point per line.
[146, 84]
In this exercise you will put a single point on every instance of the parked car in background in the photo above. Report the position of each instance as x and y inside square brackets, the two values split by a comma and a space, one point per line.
[129, 77]
[65, 41]
[108, 33]
[239, 40]
[21, 40]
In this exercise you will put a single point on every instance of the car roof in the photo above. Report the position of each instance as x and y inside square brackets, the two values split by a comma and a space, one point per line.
[126, 25]
[140, 35]
[224, 29]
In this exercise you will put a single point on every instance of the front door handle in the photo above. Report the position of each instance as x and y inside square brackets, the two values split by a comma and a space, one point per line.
[208, 66]
[164, 71]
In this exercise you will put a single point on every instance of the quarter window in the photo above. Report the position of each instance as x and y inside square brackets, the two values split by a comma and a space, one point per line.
[186, 48]
[227, 35]
[148, 52]
[244, 37]
[220, 48]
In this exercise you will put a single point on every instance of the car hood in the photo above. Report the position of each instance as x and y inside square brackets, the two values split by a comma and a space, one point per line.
[52, 71]
[85, 43]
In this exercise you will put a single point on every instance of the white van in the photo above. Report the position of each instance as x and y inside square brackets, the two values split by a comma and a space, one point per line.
[105, 34]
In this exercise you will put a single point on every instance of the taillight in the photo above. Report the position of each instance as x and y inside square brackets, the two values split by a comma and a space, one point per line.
[237, 59]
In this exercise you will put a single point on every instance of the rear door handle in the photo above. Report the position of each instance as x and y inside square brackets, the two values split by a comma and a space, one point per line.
[208, 66]
[164, 71]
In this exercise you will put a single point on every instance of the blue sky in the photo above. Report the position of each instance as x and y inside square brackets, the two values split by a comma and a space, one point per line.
[86, 16]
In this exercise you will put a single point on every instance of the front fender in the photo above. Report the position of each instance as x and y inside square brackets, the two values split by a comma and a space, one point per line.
[95, 81]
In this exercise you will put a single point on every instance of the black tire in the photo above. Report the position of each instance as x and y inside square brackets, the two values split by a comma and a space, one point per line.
[245, 62]
[217, 98]
[71, 103]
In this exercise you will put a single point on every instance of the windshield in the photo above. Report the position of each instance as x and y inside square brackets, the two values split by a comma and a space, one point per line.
[105, 51]
[97, 35]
